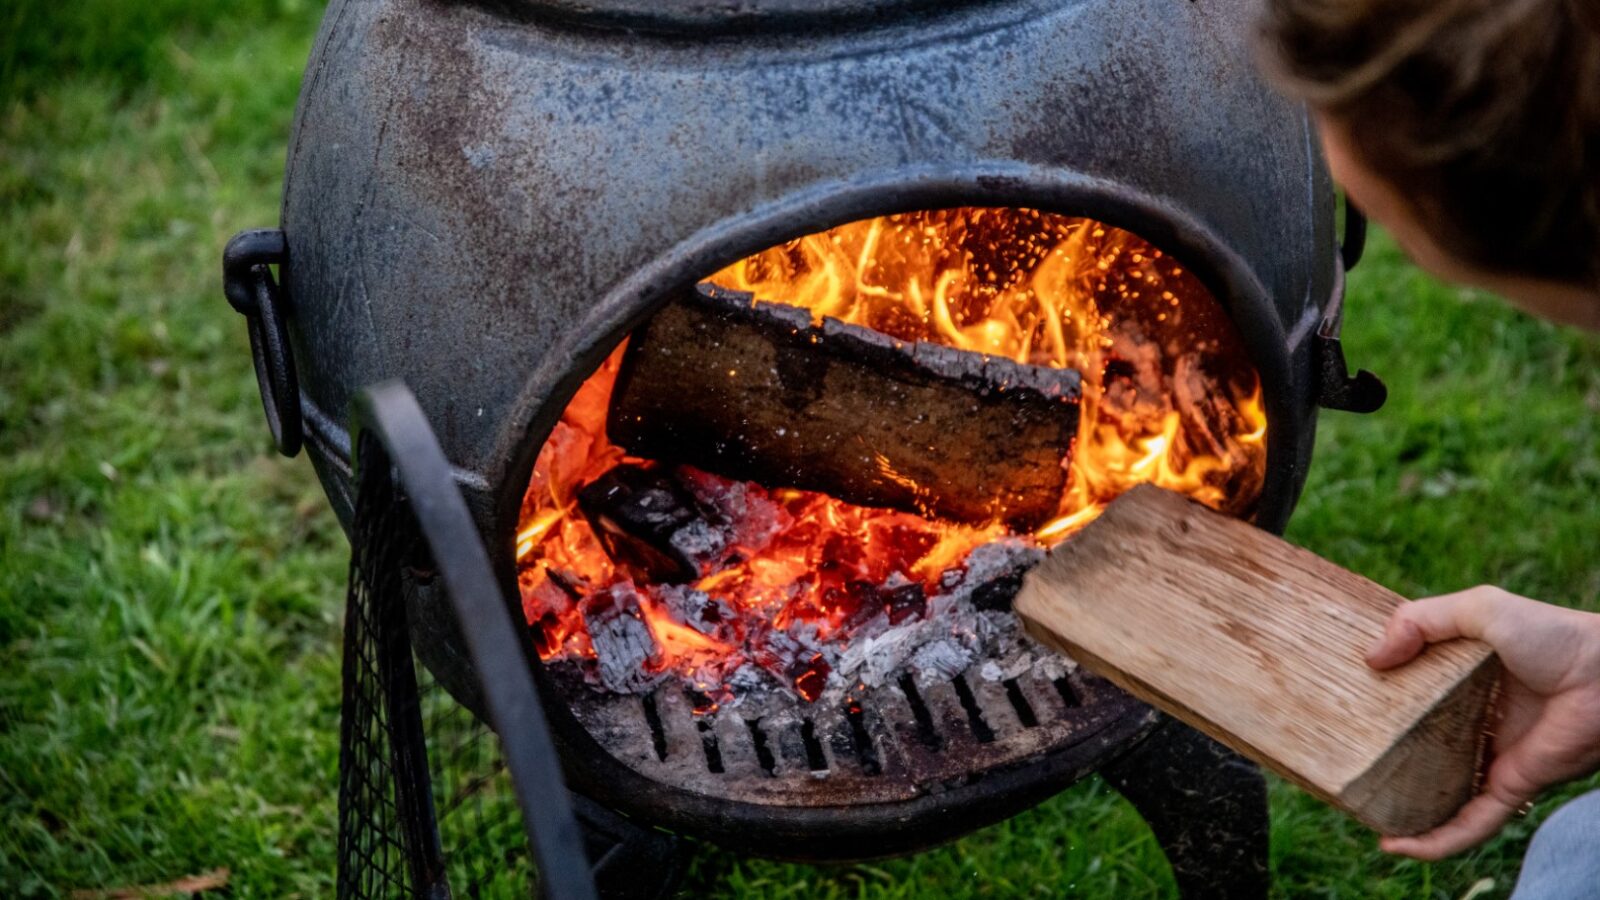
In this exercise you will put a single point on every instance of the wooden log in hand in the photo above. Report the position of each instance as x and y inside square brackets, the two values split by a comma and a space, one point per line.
[756, 391]
[1260, 644]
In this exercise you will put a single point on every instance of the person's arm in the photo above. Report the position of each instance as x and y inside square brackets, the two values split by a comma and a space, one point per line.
[1549, 714]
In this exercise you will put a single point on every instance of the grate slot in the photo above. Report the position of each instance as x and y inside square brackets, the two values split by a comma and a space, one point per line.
[708, 742]
[1069, 695]
[837, 741]
[658, 734]
[927, 734]
[764, 757]
[815, 760]
[861, 740]
[969, 703]
[1020, 703]
[734, 744]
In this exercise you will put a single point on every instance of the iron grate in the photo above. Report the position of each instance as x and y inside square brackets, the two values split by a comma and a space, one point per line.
[894, 742]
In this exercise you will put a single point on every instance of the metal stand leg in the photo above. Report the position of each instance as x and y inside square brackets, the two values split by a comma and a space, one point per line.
[1207, 807]
[630, 861]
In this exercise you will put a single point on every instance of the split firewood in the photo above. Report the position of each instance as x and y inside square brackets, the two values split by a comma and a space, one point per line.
[1260, 644]
[756, 391]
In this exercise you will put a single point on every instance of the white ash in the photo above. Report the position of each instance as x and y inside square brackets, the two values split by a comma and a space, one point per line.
[954, 633]
[696, 609]
[987, 566]
[747, 681]
[875, 658]
[622, 642]
[700, 541]
[1052, 665]
[942, 659]
[741, 512]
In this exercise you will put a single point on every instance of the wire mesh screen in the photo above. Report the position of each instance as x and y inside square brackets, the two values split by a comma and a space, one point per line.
[480, 823]
[426, 806]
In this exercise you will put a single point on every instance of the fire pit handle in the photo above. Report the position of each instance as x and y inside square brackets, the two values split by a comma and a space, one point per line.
[1363, 392]
[1354, 243]
[251, 290]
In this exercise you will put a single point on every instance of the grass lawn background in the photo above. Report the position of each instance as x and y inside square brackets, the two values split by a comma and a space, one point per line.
[170, 588]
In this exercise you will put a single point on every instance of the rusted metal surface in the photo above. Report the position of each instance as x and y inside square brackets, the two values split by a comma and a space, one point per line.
[831, 766]
[907, 742]
[464, 184]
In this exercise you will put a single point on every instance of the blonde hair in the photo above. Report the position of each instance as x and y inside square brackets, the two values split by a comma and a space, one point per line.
[1486, 113]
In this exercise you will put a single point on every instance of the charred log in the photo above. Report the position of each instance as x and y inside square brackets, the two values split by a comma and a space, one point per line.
[645, 519]
[757, 391]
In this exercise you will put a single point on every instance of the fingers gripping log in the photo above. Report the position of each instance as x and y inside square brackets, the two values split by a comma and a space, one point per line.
[758, 391]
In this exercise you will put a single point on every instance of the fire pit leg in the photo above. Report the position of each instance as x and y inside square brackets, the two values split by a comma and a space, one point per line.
[1207, 807]
[630, 861]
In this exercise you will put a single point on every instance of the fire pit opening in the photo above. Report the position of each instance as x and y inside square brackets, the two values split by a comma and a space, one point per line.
[647, 553]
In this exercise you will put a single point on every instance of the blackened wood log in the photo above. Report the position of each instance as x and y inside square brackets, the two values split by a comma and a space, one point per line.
[646, 520]
[755, 390]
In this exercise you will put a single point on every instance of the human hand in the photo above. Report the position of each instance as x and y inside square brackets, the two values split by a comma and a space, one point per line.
[1548, 729]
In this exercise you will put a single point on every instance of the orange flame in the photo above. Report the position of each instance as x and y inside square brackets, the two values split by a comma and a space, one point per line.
[1168, 397]
[679, 644]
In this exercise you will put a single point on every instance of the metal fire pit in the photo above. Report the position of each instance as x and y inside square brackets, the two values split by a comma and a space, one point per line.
[482, 198]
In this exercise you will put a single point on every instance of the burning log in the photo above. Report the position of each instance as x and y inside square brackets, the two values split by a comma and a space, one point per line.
[676, 525]
[646, 521]
[757, 391]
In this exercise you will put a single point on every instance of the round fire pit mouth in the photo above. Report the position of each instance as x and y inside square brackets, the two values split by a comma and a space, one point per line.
[1251, 313]
[720, 621]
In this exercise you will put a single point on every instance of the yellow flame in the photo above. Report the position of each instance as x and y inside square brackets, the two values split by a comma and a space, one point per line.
[1047, 290]
[1168, 397]
[536, 528]
[1069, 524]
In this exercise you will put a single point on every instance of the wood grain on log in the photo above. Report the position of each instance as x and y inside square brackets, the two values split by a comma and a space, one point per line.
[1260, 644]
[757, 391]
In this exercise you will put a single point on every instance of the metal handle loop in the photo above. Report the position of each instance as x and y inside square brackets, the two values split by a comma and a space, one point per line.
[1354, 243]
[1336, 387]
[251, 290]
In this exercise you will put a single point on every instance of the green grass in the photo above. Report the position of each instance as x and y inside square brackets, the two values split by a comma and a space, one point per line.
[170, 588]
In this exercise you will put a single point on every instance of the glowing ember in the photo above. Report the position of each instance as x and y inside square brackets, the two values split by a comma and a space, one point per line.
[1169, 397]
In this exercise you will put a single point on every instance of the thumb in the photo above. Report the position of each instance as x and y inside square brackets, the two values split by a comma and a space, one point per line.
[1418, 623]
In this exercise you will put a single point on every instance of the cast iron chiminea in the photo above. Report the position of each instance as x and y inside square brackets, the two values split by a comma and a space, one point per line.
[483, 198]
